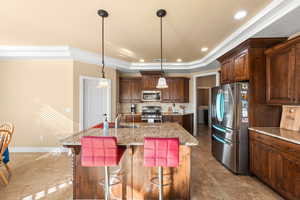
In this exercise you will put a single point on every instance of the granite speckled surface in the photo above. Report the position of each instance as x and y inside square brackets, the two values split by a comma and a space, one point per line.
[135, 136]
[284, 134]
[164, 113]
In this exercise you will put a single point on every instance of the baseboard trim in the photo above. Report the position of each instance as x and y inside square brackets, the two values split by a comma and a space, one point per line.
[38, 149]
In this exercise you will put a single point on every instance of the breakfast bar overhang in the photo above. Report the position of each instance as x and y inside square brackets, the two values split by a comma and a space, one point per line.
[136, 177]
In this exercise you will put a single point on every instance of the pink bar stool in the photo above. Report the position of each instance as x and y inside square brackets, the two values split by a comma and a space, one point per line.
[101, 152]
[161, 152]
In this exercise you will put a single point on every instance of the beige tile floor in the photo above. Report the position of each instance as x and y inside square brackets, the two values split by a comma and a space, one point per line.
[48, 176]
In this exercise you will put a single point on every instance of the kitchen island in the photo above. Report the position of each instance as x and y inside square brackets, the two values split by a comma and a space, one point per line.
[136, 179]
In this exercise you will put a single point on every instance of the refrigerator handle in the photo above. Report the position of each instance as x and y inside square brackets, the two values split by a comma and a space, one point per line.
[221, 140]
[219, 129]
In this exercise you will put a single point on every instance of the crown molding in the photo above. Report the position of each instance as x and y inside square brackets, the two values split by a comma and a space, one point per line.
[58, 52]
[274, 11]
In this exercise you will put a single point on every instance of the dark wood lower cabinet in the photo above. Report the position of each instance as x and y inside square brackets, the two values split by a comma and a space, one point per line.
[132, 118]
[276, 163]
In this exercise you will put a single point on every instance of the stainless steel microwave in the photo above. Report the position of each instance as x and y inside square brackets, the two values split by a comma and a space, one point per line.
[151, 95]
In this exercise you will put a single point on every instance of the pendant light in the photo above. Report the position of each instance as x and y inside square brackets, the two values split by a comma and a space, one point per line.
[162, 82]
[103, 83]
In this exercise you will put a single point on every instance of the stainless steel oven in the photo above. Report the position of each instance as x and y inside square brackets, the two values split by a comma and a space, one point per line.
[151, 95]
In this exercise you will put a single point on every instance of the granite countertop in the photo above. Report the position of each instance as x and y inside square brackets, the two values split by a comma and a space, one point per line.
[284, 134]
[135, 136]
[178, 113]
[138, 113]
[164, 113]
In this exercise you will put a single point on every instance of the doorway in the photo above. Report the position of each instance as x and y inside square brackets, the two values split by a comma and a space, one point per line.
[94, 102]
[202, 88]
[203, 102]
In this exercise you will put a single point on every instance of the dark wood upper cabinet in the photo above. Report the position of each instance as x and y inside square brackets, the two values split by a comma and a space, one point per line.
[177, 91]
[166, 93]
[283, 73]
[136, 90]
[241, 66]
[125, 90]
[238, 63]
[235, 68]
[130, 90]
[227, 71]
[297, 72]
[149, 82]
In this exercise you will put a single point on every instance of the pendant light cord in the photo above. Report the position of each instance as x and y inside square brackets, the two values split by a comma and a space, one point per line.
[103, 76]
[161, 46]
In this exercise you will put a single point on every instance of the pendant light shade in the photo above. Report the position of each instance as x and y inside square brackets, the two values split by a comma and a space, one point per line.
[103, 83]
[162, 82]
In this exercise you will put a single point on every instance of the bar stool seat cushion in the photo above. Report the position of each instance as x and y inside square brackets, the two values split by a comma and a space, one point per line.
[162, 152]
[100, 151]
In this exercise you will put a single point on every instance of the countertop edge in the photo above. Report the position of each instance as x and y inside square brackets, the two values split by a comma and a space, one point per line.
[65, 145]
[163, 114]
[276, 136]
[188, 141]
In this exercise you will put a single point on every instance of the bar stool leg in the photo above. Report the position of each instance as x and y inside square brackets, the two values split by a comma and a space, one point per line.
[107, 183]
[160, 183]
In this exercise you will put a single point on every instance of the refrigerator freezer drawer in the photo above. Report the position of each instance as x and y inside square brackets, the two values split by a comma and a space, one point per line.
[225, 133]
[225, 152]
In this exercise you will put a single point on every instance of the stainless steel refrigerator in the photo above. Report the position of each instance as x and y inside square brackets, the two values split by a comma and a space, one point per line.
[230, 126]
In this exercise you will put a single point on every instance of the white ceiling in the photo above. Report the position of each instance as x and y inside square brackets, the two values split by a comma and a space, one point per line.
[284, 27]
[132, 28]
[32, 29]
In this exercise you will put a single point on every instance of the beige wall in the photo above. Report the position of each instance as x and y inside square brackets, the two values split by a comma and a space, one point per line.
[37, 96]
[84, 69]
[41, 97]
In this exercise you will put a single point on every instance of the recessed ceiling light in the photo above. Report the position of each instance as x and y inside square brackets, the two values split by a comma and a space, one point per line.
[204, 49]
[142, 60]
[240, 14]
[179, 60]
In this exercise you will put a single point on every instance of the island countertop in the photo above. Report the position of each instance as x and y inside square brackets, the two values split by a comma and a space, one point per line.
[135, 135]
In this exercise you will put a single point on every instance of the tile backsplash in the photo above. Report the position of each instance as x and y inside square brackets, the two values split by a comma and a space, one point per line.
[125, 107]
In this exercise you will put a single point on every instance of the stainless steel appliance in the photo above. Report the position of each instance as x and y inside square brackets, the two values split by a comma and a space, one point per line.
[151, 114]
[151, 95]
[230, 126]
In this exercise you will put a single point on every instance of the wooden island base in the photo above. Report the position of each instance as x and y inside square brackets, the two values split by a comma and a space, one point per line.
[136, 180]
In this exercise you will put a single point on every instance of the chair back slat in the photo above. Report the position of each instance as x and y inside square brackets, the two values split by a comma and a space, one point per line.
[5, 138]
[7, 126]
[6, 132]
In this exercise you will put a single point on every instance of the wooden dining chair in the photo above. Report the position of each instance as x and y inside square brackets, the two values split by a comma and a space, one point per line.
[6, 132]
[7, 126]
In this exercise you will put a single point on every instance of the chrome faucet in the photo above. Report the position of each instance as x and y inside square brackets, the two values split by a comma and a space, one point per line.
[117, 121]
